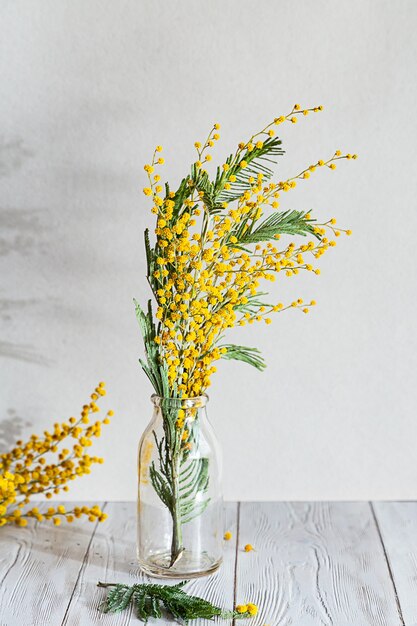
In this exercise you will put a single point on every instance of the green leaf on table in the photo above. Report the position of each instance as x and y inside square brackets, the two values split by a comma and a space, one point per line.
[148, 599]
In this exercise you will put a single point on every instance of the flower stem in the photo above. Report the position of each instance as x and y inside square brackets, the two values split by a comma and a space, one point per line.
[176, 545]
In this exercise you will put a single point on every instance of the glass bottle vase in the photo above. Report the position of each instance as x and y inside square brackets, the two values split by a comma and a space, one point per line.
[180, 504]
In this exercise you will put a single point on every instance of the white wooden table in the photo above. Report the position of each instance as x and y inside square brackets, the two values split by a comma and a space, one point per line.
[332, 564]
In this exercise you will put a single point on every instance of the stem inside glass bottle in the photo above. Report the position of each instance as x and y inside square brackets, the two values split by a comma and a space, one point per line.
[181, 480]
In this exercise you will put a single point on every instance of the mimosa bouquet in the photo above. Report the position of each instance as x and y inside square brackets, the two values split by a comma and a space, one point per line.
[216, 240]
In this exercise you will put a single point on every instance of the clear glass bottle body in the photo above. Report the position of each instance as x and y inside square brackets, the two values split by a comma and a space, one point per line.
[180, 504]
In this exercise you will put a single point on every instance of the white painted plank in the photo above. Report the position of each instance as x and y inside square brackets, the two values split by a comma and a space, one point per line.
[112, 558]
[398, 526]
[39, 567]
[318, 564]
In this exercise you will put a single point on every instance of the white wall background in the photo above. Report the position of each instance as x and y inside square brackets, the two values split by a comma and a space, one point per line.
[88, 89]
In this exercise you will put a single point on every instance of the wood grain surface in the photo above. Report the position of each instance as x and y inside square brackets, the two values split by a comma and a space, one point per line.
[322, 563]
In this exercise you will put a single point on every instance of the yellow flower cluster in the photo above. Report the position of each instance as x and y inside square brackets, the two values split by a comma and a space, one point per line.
[208, 264]
[43, 466]
[250, 608]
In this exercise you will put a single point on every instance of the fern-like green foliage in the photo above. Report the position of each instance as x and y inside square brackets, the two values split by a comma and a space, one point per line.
[150, 255]
[153, 368]
[193, 483]
[253, 304]
[213, 192]
[251, 356]
[284, 223]
[257, 161]
[149, 600]
[210, 190]
[183, 193]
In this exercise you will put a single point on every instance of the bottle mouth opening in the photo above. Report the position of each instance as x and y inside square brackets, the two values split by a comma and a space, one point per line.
[180, 403]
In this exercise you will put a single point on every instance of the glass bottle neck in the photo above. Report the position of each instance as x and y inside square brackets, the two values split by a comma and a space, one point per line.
[179, 403]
